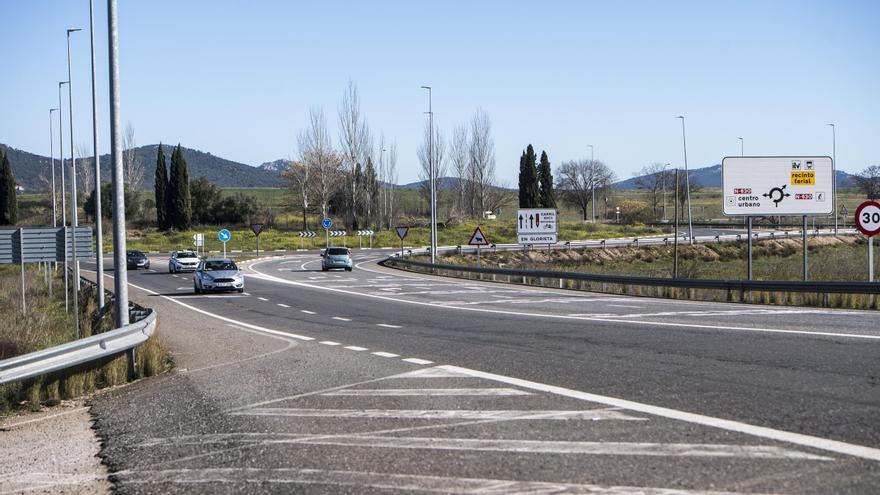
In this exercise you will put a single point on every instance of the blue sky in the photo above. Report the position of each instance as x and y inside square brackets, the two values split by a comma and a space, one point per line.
[237, 78]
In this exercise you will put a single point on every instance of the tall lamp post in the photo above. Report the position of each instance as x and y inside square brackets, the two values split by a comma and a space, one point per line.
[687, 182]
[74, 222]
[431, 171]
[834, 168]
[63, 193]
[52, 167]
[593, 182]
[742, 148]
[99, 234]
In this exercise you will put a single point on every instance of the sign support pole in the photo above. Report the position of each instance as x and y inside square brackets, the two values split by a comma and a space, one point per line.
[749, 233]
[675, 232]
[224, 249]
[871, 259]
[23, 288]
[401, 247]
[479, 264]
[806, 274]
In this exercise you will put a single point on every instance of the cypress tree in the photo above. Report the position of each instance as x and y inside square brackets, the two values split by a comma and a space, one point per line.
[529, 179]
[161, 189]
[523, 177]
[545, 176]
[180, 199]
[8, 201]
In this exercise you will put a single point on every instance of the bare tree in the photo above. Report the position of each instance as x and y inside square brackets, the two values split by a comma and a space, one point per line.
[391, 185]
[355, 144]
[85, 171]
[682, 187]
[580, 179]
[131, 162]
[482, 160]
[424, 155]
[459, 159]
[656, 179]
[323, 162]
[868, 181]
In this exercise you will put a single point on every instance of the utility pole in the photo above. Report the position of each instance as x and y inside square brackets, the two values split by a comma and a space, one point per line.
[687, 182]
[99, 252]
[120, 279]
[432, 183]
[74, 222]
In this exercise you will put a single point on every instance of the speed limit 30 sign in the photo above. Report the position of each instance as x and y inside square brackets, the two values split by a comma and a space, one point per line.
[868, 218]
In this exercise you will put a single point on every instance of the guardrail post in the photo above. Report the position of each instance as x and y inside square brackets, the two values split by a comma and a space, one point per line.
[602, 242]
[666, 241]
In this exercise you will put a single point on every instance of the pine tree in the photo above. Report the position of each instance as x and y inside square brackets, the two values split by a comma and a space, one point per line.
[180, 212]
[528, 179]
[545, 177]
[8, 201]
[161, 189]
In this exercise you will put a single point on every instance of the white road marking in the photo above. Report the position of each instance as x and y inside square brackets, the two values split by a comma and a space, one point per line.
[283, 305]
[356, 480]
[356, 348]
[387, 325]
[341, 318]
[271, 278]
[179, 288]
[435, 372]
[427, 392]
[623, 306]
[262, 299]
[307, 312]
[328, 342]
[418, 361]
[385, 354]
[724, 424]
[457, 414]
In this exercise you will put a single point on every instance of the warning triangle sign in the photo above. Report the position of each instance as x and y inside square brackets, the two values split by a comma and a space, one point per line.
[478, 239]
[401, 232]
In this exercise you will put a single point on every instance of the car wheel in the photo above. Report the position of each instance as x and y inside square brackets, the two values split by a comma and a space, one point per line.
[241, 291]
[348, 269]
[196, 289]
[323, 268]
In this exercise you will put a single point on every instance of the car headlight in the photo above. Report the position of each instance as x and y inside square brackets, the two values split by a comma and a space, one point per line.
[207, 276]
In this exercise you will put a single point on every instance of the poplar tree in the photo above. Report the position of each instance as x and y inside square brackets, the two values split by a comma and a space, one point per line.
[545, 177]
[8, 201]
[179, 213]
[161, 188]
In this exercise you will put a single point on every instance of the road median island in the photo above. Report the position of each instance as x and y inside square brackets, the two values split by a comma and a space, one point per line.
[832, 259]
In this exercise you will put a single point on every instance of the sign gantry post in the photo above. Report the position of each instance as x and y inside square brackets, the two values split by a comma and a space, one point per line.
[778, 186]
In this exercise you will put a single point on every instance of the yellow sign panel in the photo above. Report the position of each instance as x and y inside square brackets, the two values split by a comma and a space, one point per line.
[803, 178]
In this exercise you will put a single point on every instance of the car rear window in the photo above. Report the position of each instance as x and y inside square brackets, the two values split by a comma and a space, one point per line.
[337, 252]
[186, 254]
[211, 266]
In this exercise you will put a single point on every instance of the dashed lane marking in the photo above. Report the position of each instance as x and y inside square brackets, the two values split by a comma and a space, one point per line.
[307, 312]
[386, 325]
[283, 305]
[355, 348]
[341, 318]
[418, 361]
[385, 354]
[328, 342]
[262, 299]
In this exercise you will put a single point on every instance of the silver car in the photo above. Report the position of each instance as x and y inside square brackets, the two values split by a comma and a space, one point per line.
[183, 261]
[336, 257]
[218, 274]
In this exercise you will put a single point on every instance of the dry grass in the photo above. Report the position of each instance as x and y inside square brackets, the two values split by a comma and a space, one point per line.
[47, 324]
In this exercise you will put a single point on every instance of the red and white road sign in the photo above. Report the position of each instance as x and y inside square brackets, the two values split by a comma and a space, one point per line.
[478, 239]
[868, 218]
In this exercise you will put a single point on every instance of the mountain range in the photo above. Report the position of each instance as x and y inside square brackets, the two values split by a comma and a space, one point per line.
[710, 177]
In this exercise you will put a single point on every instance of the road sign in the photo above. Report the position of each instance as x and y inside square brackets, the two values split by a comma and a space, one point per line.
[401, 232]
[478, 239]
[536, 226]
[868, 218]
[199, 240]
[777, 185]
[326, 223]
[337, 233]
[257, 228]
[364, 233]
[224, 235]
[308, 234]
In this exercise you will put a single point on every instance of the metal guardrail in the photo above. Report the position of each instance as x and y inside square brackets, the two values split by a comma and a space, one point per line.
[77, 352]
[729, 285]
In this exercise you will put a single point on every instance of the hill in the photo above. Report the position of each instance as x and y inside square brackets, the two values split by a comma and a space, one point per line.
[710, 177]
[32, 170]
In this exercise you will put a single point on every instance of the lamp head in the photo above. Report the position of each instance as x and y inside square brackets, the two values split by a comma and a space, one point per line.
[61, 83]
[680, 117]
[426, 87]
[52, 110]
[73, 30]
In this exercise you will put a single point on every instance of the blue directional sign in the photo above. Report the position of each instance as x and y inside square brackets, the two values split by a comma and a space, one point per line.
[327, 223]
[224, 235]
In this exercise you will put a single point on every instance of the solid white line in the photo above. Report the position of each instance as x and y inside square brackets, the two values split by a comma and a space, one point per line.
[262, 299]
[505, 415]
[271, 278]
[328, 342]
[341, 318]
[387, 325]
[283, 305]
[724, 424]
[355, 348]
[307, 312]
[384, 354]
[418, 361]
[355, 481]
[427, 392]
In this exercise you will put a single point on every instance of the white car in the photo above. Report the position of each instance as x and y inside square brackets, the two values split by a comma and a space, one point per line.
[183, 261]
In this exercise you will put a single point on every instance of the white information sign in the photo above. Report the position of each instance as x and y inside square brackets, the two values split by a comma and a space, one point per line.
[777, 185]
[536, 226]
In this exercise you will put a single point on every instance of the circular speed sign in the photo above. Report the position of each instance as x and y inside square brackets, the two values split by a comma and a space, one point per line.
[868, 218]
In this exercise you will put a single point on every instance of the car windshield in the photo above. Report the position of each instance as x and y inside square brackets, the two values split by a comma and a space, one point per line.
[186, 254]
[135, 253]
[337, 252]
[211, 266]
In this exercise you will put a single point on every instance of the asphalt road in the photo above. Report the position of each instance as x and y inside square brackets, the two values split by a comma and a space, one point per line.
[381, 381]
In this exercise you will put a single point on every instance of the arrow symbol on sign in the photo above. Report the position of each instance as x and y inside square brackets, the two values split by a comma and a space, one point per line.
[537, 219]
[520, 221]
[531, 221]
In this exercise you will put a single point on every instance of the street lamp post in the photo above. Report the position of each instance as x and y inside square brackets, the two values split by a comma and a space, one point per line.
[741, 147]
[73, 199]
[834, 168]
[63, 193]
[687, 182]
[593, 182]
[99, 234]
[432, 182]
[52, 167]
